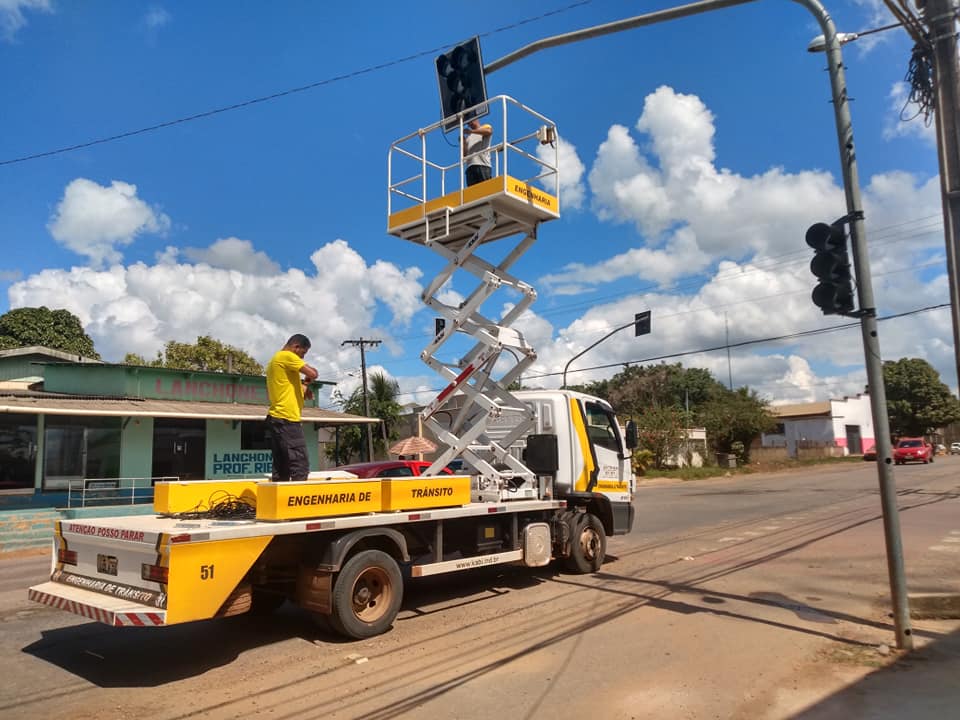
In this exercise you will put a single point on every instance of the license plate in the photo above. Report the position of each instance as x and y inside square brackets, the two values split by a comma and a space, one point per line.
[106, 564]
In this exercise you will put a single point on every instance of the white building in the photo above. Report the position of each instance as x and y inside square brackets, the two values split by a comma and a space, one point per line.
[846, 424]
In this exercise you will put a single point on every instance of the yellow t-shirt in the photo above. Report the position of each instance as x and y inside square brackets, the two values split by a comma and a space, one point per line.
[283, 385]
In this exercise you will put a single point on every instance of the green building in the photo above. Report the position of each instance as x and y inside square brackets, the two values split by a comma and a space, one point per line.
[69, 423]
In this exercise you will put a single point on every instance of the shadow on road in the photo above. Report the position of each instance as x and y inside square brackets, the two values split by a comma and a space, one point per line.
[147, 657]
[921, 685]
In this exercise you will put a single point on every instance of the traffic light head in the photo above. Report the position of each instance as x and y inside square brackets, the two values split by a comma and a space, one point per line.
[641, 323]
[831, 266]
[461, 81]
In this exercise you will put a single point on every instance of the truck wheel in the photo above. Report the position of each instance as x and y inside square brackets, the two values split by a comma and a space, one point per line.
[588, 545]
[366, 595]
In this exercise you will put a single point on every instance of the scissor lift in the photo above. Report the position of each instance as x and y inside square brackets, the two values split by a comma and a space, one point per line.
[431, 206]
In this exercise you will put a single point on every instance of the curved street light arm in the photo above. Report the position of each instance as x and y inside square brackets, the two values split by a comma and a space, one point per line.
[585, 351]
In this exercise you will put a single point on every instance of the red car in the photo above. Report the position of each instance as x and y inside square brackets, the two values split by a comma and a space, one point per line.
[390, 468]
[912, 450]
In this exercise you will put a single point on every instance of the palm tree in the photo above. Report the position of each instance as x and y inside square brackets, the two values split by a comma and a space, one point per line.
[382, 393]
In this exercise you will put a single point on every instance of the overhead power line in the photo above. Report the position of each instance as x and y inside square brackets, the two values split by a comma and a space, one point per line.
[743, 343]
[281, 93]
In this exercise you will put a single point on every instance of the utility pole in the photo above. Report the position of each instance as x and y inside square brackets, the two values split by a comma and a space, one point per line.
[361, 343]
[939, 16]
[726, 329]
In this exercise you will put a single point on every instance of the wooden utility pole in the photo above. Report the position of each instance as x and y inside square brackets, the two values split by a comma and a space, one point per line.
[940, 19]
[366, 398]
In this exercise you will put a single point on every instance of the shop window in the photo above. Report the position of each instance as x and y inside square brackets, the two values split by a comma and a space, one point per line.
[254, 435]
[80, 447]
[179, 447]
[18, 451]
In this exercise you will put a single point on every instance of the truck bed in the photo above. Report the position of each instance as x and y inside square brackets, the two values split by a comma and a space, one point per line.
[144, 570]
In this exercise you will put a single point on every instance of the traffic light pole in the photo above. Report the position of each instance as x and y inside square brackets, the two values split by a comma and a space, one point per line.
[868, 320]
[586, 350]
[941, 20]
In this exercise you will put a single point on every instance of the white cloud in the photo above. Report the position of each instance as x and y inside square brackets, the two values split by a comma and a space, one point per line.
[903, 119]
[138, 308]
[94, 221]
[12, 18]
[570, 169]
[156, 18]
[232, 254]
[728, 214]
[680, 256]
[877, 15]
[691, 215]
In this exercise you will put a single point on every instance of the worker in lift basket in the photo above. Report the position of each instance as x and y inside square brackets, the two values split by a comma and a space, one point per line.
[287, 391]
[476, 151]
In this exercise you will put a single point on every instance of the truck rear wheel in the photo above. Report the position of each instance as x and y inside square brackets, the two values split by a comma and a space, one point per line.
[366, 595]
[588, 544]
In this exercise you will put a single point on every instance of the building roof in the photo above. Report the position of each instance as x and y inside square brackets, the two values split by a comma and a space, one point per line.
[49, 353]
[34, 403]
[802, 410]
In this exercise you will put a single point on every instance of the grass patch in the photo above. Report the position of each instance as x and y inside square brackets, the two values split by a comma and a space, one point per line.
[709, 471]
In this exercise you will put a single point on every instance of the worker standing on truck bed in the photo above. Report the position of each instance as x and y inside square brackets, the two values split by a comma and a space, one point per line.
[286, 392]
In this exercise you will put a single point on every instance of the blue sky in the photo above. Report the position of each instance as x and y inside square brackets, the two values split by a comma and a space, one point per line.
[694, 155]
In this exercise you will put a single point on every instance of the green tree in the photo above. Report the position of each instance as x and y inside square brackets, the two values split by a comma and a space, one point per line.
[661, 430]
[56, 329]
[734, 419]
[382, 393]
[665, 399]
[205, 354]
[917, 401]
[640, 387]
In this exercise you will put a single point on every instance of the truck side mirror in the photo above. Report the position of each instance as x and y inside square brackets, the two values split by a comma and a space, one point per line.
[542, 455]
[632, 439]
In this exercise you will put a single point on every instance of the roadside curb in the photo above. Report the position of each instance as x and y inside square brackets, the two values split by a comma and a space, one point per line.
[934, 606]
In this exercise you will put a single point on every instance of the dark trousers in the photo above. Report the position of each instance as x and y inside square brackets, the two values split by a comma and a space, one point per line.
[477, 174]
[290, 461]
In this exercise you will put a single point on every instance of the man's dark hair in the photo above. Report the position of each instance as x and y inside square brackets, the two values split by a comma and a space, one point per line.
[300, 340]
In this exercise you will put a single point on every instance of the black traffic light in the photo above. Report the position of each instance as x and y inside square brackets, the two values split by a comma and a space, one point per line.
[831, 265]
[438, 325]
[461, 80]
[641, 323]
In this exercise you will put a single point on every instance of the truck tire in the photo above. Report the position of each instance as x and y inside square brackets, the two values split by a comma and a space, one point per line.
[588, 545]
[366, 595]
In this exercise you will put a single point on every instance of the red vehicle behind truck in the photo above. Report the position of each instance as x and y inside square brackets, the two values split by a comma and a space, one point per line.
[912, 450]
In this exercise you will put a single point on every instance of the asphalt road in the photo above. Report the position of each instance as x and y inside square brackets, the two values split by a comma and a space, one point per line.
[750, 596]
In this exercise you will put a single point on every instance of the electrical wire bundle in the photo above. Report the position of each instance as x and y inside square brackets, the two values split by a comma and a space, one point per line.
[221, 506]
[920, 79]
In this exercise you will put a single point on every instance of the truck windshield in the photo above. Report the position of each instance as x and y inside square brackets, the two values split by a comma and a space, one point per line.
[601, 427]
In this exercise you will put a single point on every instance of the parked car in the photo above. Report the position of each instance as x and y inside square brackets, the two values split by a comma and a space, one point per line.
[389, 468]
[955, 448]
[870, 453]
[912, 450]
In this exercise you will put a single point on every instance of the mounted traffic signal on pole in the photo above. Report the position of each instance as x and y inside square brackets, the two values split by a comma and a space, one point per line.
[641, 323]
[461, 80]
[438, 325]
[831, 266]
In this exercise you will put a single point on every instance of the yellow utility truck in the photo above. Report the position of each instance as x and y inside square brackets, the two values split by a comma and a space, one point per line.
[549, 472]
[341, 546]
